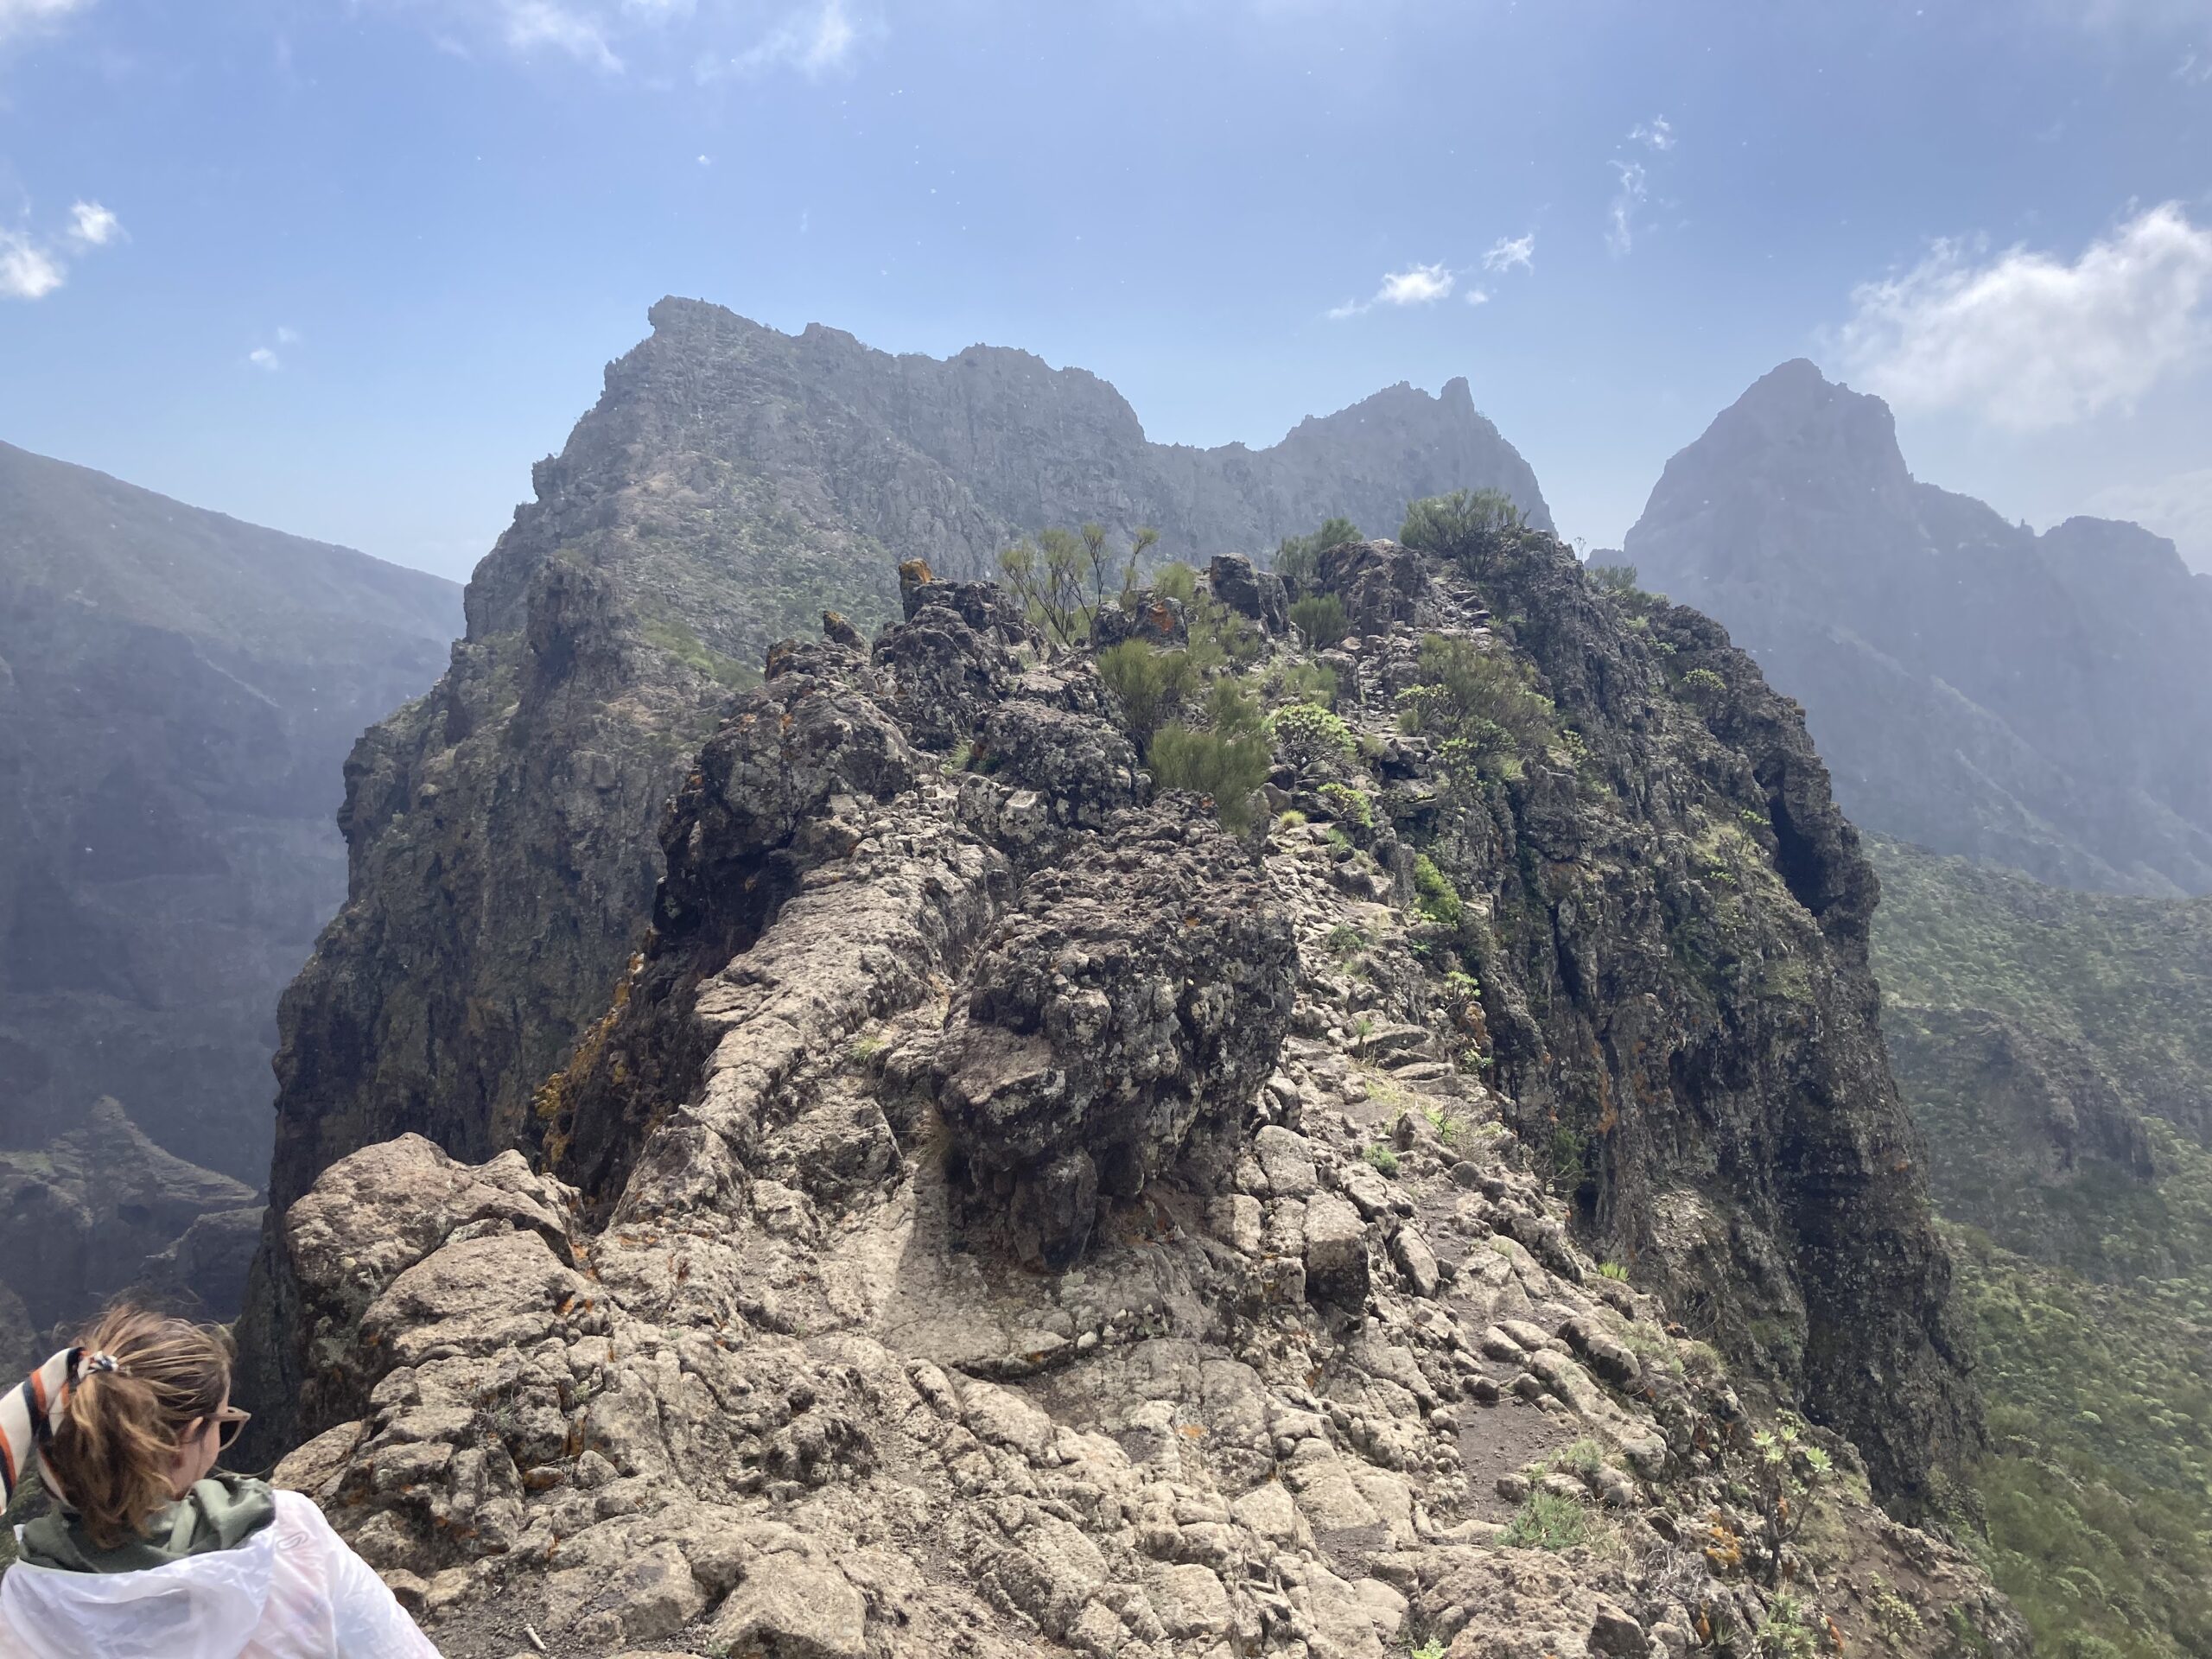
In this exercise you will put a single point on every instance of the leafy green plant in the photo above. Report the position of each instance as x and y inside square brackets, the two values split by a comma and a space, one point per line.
[1785, 1472]
[1347, 941]
[1307, 734]
[1449, 1129]
[1457, 523]
[1618, 579]
[1381, 1157]
[1612, 1270]
[1545, 1521]
[1481, 706]
[1297, 682]
[1320, 620]
[1228, 766]
[1300, 556]
[1176, 581]
[1703, 686]
[1349, 805]
[1290, 818]
[1438, 899]
[1432, 1649]
[1790, 1630]
[1151, 683]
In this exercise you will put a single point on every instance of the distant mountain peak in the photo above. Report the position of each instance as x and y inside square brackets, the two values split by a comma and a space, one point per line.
[1977, 688]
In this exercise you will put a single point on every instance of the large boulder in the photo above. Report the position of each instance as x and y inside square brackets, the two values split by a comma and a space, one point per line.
[1136, 998]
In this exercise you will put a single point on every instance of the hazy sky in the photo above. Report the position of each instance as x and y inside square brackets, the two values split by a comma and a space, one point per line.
[348, 268]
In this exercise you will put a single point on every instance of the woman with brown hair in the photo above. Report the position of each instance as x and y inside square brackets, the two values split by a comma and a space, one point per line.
[150, 1551]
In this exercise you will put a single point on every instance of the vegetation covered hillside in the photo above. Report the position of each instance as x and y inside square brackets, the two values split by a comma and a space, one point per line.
[2056, 1048]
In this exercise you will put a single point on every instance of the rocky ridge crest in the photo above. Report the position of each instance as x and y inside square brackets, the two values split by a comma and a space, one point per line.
[1002, 1209]
[731, 483]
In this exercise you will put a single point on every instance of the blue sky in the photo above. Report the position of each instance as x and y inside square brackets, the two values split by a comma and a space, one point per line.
[346, 267]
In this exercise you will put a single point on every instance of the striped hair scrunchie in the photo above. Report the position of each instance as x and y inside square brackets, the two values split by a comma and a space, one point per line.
[29, 1412]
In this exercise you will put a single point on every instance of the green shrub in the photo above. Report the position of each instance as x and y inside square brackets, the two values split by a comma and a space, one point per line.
[1306, 733]
[1300, 556]
[1061, 577]
[1290, 820]
[1176, 581]
[1320, 620]
[1546, 1522]
[1382, 1158]
[1294, 682]
[1480, 705]
[1612, 1270]
[1455, 524]
[1619, 579]
[1347, 941]
[1150, 683]
[1439, 900]
[1231, 709]
[1790, 1630]
[1704, 686]
[1228, 766]
[1349, 804]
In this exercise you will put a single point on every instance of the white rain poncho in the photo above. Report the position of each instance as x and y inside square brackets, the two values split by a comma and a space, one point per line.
[292, 1590]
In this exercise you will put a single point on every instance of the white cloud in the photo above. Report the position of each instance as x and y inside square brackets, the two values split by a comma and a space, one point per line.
[1656, 135]
[529, 24]
[2178, 508]
[813, 41]
[33, 266]
[2194, 70]
[1511, 253]
[91, 226]
[1477, 297]
[21, 17]
[2029, 341]
[262, 357]
[287, 336]
[28, 271]
[1416, 286]
[1632, 187]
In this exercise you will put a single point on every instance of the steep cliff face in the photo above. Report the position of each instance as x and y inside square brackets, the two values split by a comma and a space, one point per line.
[1975, 688]
[731, 483]
[1003, 1211]
[176, 692]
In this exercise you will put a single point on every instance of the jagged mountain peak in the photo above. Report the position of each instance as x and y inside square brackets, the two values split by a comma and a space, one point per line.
[731, 483]
[1977, 688]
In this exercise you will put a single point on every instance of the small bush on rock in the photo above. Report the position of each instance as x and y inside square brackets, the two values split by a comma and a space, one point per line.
[1307, 734]
[1320, 620]
[1228, 766]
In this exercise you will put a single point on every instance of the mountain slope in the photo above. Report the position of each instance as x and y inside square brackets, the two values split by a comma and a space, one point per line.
[177, 690]
[1975, 688]
[1007, 1211]
[730, 484]
[2057, 1049]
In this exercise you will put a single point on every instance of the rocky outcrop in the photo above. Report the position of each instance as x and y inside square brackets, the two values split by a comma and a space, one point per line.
[177, 690]
[732, 482]
[84, 1213]
[1001, 1211]
[1975, 688]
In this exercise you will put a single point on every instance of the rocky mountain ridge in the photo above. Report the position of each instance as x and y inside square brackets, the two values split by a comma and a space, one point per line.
[1003, 1211]
[731, 483]
[1975, 688]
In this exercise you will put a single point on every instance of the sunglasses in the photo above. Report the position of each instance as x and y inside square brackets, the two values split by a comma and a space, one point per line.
[228, 1423]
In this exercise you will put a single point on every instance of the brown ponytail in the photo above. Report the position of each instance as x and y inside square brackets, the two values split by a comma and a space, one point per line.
[119, 1432]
